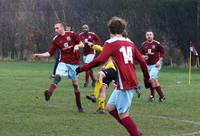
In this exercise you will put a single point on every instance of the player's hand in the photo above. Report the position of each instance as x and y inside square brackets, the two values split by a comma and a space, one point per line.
[147, 83]
[76, 48]
[77, 70]
[90, 44]
[146, 57]
[35, 56]
[158, 64]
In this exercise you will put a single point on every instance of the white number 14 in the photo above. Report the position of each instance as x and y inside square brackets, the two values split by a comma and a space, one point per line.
[127, 54]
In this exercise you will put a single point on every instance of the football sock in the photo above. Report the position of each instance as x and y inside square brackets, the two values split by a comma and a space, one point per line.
[152, 89]
[78, 99]
[86, 76]
[51, 89]
[115, 114]
[92, 75]
[97, 88]
[130, 125]
[101, 103]
[159, 91]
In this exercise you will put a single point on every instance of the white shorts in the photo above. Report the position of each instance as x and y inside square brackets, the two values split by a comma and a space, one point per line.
[88, 58]
[121, 99]
[153, 71]
[69, 70]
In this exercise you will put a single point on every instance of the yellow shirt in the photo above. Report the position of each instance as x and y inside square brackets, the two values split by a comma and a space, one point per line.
[109, 63]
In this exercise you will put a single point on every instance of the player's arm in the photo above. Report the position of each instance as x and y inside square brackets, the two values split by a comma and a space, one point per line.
[162, 55]
[143, 53]
[79, 43]
[143, 66]
[102, 58]
[78, 46]
[51, 51]
[41, 55]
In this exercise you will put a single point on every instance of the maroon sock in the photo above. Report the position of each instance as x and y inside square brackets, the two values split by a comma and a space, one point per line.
[130, 125]
[92, 75]
[78, 99]
[152, 91]
[159, 91]
[52, 88]
[87, 76]
[115, 114]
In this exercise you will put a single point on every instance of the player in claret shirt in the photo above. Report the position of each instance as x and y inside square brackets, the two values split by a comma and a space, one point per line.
[88, 53]
[68, 43]
[154, 53]
[123, 53]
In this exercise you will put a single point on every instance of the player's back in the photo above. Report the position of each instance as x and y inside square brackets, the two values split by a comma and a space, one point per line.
[122, 51]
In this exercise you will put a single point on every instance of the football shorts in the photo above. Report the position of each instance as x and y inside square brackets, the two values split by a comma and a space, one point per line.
[69, 70]
[121, 99]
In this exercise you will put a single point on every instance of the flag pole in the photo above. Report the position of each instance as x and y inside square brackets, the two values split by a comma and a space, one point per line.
[190, 67]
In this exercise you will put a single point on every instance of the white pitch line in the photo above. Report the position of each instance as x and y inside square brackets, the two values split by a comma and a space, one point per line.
[188, 134]
[180, 120]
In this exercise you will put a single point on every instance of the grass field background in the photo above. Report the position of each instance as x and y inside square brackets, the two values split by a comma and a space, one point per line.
[24, 112]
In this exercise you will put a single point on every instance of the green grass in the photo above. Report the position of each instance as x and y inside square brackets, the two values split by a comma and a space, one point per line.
[23, 111]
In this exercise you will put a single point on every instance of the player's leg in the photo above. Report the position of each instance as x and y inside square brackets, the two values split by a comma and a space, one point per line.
[152, 89]
[123, 106]
[86, 72]
[97, 87]
[92, 77]
[74, 78]
[102, 99]
[111, 106]
[86, 79]
[60, 71]
[118, 106]
[77, 95]
[57, 59]
[110, 74]
[88, 59]
[155, 84]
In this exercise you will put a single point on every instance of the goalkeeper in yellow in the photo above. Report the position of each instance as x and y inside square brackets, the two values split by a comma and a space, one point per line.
[105, 76]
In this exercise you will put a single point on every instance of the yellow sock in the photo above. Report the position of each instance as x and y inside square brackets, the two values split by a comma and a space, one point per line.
[97, 88]
[101, 103]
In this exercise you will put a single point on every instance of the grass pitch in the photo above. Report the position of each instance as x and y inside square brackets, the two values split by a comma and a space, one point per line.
[24, 112]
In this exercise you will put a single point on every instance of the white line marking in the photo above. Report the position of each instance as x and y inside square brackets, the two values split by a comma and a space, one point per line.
[179, 120]
[188, 134]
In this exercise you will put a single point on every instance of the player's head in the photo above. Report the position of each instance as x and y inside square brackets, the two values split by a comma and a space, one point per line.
[68, 28]
[59, 28]
[116, 25]
[149, 36]
[85, 28]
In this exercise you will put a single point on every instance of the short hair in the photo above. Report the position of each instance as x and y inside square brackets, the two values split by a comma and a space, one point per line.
[149, 31]
[60, 22]
[85, 25]
[117, 25]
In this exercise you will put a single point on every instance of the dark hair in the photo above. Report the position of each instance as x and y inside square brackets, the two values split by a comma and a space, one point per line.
[117, 25]
[60, 22]
[149, 30]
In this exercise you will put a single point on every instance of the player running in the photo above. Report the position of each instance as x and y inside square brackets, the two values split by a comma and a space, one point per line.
[68, 43]
[153, 52]
[123, 53]
[105, 77]
[88, 53]
[57, 58]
